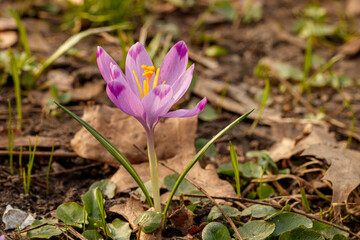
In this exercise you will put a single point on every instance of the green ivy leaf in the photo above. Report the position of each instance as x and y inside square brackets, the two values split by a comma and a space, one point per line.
[251, 170]
[256, 230]
[184, 187]
[216, 213]
[91, 206]
[215, 51]
[301, 234]
[258, 211]
[226, 169]
[289, 221]
[92, 235]
[119, 230]
[106, 186]
[148, 221]
[46, 231]
[265, 191]
[215, 231]
[289, 72]
[71, 214]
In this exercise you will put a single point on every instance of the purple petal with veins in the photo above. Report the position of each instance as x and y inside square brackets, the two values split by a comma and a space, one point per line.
[174, 64]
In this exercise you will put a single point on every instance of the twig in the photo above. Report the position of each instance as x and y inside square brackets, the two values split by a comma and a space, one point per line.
[211, 199]
[40, 153]
[17, 178]
[278, 206]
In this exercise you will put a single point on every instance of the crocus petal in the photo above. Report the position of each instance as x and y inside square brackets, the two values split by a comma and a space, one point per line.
[107, 66]
[187, 112]
[123, 97]
[181, 85]
[156, 103]
[174, 64]
[136, 57]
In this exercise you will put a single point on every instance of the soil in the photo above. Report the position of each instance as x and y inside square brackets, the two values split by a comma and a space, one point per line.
[246, 45]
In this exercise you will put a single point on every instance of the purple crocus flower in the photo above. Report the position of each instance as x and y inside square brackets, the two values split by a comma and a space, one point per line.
[2, 237]
[149, 99]
[148, 96]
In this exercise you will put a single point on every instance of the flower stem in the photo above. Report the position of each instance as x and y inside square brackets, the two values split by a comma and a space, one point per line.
[154, 172]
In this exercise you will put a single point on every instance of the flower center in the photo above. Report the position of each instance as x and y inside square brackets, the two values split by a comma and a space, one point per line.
[148, 72]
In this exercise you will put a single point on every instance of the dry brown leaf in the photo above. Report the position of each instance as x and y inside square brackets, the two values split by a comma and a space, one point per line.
[182, 218]
[344, 171]
[350, 48]
[238, 103]
[130, 210]
[8, 38]
[352, 7]
[282, 149]
[62, 80]
[7, 24]
[88, 91]
[129, 137]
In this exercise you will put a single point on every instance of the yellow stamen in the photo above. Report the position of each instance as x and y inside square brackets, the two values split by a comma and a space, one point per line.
[137, 81]
[156, 78]
[148, 72]
[146, 87]
[164, 82]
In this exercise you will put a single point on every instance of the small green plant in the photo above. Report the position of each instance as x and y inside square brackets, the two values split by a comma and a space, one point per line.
[20, 160]
[16, 79]
[261, 71]
[61, 98]
[235, 164]
[48, 169]
[10, 141]
[27, 174]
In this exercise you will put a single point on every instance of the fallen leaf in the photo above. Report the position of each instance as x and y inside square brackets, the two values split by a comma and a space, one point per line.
[350, 48]
[352, 8]
[61, 79]
[8, 38]
[7, 24]
[344, 169]
[14, 217]
[127, 134]
[130, 210]
[88, 91]
[182, 218]
[282, 149]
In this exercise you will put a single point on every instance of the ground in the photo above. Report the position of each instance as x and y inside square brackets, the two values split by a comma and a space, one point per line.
[246, 44]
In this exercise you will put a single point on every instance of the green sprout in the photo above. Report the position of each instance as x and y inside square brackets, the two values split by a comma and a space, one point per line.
[27, 175]
[10, 141]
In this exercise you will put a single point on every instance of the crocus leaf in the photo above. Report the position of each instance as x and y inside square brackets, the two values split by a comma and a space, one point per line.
[119, 230]
[201, 142]
[71, 214]
[288, 221]
[199, 154]
[215, 231]
[148, 221]
[256, 230]
[216, 213]
[112, 150]
[46, 231]
[301, 233]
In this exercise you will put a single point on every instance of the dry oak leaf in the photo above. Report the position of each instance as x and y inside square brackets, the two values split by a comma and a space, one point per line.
[127, 134]
[344, 171]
